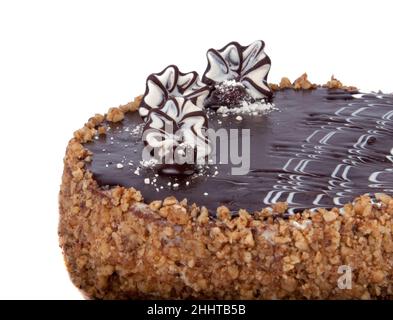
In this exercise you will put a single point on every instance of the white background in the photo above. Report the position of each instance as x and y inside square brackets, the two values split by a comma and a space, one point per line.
[63, 61]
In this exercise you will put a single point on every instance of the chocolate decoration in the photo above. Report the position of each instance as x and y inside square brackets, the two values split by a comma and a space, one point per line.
[177, 169]
[248, 65]
[227, 94]
[170, 82]
[178, 124]
[321, 149]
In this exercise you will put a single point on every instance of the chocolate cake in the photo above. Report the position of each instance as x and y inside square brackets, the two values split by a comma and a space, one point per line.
[283, 191]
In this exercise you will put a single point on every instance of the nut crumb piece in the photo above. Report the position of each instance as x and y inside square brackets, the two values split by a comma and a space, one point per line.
[155, 205]
[384, 198]
[169, 201]
[303, 83]
[177, 214]
[274, 86]
[131, 106]
[334, 83]
[233, 271]
[184, 203]
[285, 83]
[377, 276]
[203, 216]
[85, 134]
[249, 239]
[95, 121]
[115, 115]
[300, 241]
[288, 284]
[125, 107]
[77, 174]
[134, 105]
[280, 207]
[223, 213]
[329, 216]
[101, 130]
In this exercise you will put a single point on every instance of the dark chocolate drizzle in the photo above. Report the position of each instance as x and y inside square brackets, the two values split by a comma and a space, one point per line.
[321, 148]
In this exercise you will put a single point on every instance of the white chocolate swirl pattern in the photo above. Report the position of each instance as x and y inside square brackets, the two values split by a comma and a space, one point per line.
[172, 83]
[177, 124]
[248, 65]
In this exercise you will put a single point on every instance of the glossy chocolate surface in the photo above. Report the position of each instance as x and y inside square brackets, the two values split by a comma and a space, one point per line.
[320, 148]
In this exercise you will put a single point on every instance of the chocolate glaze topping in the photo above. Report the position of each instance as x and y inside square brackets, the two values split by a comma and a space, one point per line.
[320, 148]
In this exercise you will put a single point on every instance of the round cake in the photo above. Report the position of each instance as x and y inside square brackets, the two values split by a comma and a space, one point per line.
[227, 187]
